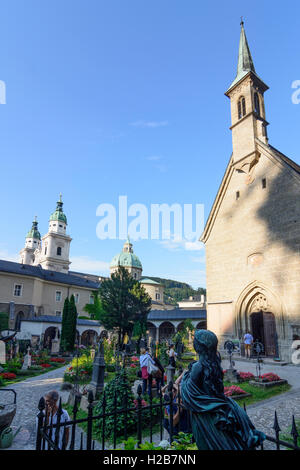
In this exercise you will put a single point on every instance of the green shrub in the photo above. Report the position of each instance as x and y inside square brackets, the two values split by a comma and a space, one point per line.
[1, 381]
[35, 367]
[110, 367]
[21, 372]
[116, 388]
[119, 387]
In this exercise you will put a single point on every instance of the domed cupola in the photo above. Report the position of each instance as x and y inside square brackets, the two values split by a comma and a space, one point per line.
[58, 215]
[128, 260]
[34, 233]
[32, 245]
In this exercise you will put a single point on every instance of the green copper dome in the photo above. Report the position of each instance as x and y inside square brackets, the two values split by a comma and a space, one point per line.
[34, 233]
[59, 215]
[126, 258]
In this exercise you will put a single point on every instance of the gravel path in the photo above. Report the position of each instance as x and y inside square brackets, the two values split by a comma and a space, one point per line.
[286, 405]
[29, 392]
[262, 413]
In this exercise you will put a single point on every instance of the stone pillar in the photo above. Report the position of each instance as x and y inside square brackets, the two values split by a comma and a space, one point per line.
[2, 353]
[55, 343]
[157, 334]
[170, 371]
[27, 360]
[11, 321]
[97, 383]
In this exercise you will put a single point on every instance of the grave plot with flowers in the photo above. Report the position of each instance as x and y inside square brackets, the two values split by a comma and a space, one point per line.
[252, 389]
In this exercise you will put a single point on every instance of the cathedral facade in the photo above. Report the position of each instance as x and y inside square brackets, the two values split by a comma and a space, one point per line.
[37, 286]
[252, 234]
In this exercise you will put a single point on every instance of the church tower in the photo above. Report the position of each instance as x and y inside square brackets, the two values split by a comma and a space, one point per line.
[248, 117]
[56, 243]
[32, 245]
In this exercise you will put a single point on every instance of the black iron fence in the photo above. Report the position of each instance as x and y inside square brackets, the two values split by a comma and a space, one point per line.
[56, 433]
[168, 412]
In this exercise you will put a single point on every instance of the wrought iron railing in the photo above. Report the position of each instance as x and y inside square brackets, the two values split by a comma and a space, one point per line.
[52, 432]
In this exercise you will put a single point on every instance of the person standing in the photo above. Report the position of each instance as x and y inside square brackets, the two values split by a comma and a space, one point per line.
[248, 340]
[172, 354]
[51, 402]
[145, 358]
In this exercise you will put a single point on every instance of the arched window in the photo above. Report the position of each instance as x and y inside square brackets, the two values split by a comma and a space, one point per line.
[241, 107]
[58, 252]
[256, 104]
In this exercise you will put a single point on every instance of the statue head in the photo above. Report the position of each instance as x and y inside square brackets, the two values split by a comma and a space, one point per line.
[205, 340]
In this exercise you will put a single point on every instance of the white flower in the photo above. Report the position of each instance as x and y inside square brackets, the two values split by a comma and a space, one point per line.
[164, 444]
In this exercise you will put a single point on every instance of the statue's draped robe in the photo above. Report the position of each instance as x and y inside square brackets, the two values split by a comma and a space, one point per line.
[218, 422]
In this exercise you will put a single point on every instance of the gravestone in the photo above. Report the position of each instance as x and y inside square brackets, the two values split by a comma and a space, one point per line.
[97, 383]
[93, 352]
[2, 353]
[170, 372]
[55, 344]
[27, 360]
[135, 387]
[231, 374]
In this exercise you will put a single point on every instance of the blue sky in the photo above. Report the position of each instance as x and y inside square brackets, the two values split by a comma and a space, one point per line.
[109, 98]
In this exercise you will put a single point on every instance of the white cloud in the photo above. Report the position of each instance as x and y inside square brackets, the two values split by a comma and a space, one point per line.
[154, 158]
[88, 265]
[194, 246]
[4, 254]
[176, 245]
[149, 124]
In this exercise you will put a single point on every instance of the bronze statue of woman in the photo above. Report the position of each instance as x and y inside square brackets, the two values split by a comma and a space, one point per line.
[218, 422]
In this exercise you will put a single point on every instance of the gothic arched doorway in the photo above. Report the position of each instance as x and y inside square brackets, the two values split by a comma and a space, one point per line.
[263, 327]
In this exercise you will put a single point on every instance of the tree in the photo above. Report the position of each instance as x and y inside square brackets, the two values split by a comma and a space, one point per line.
[69, 321]
[124, 302]
[64, 324]
[140, 323]
[72, 323]
[94, 310]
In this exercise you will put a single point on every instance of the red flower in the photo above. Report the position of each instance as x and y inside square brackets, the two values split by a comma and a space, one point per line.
[58, 359]
[233, 390]
[8, 375]
[46, 365]
[133, 365]
[270, 377]
[246, 375]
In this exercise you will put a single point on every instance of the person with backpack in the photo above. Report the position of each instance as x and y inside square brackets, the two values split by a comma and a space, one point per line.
[145, 362]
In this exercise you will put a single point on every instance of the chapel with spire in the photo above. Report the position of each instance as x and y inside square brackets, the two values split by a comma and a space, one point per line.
[252, 233]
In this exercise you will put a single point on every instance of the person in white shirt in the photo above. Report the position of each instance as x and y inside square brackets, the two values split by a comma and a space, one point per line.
[51, 401]
[248, 340]
[145, 358]
[172, 354]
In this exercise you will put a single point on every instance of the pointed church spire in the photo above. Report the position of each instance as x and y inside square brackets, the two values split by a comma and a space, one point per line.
[245, 61]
